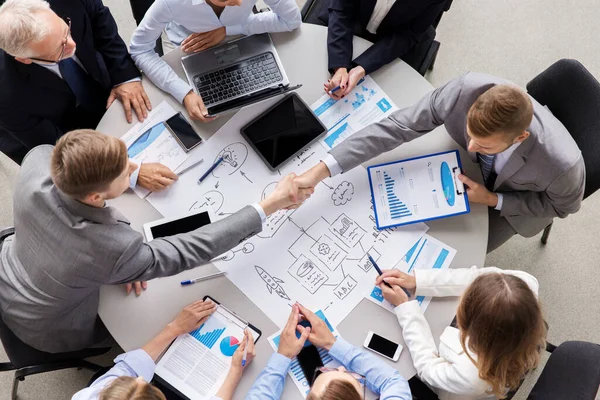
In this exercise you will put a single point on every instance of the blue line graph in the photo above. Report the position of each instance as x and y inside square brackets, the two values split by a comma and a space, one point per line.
[397, 208]
[209, 333]
[331, 139]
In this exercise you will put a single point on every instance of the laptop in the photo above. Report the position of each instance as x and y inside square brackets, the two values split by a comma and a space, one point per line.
[236, 74]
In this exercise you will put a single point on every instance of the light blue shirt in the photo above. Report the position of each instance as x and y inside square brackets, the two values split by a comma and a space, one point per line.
[381, 378]
[189, 16]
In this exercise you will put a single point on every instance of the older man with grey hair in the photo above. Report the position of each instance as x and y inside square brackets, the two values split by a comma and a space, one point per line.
[62, 64]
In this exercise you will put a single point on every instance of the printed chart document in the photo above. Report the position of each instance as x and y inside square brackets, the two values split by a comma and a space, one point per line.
[197, 363]
[427, 253]
[364, 105]
[150, 141]
[417, 189]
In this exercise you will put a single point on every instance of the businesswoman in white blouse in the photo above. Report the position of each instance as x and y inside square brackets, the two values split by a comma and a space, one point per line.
[198, 25]
[499, 334]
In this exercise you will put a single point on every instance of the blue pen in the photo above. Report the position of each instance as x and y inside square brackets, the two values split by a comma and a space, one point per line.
[335, 89]
[211, 169]
[203, 278]
[381, 273]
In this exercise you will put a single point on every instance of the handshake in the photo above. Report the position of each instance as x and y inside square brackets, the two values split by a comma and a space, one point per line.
[294, 190]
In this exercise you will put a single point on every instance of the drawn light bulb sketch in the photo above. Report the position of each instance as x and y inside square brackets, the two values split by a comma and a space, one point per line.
[234, 156]
[343, 193]
[273, 283]
[247, 248]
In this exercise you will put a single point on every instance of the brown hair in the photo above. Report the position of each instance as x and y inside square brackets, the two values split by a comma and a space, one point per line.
[501, 322]
[129, 388]
[501, 109]
[336, 390]
[86, 161]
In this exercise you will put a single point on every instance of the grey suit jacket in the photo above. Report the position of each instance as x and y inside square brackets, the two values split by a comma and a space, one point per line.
[51, 270]
[544, 177]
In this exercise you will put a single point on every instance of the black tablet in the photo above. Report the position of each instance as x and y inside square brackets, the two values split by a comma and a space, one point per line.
[283, 130]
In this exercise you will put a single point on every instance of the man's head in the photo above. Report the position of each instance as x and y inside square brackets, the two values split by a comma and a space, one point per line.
[30, 31]
[90, 166]
[498, 119]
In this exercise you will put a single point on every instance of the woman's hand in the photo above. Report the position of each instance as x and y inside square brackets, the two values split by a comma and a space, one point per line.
[340, 78]
[395, 277]
[236, 361]
[192, 316]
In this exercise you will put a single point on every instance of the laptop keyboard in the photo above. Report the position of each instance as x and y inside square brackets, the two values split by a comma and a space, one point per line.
[249, 75]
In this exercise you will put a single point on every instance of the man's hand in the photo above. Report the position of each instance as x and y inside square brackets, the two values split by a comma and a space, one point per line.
[132, 95]
[319, 333]
[196, 108]
[236, 361]
[138, 286]
[395, 295]
[192, 316]
[478, 193]
[395, 277]
[340, 78]
[289, 344]
[313, 176]
[287, 194]
[201, 41]
[155, 177]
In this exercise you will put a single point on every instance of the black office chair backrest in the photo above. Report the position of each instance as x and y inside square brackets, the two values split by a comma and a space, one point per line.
[573, 95]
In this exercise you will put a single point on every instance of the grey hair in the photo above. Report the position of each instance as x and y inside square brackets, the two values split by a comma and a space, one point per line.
[20, 26]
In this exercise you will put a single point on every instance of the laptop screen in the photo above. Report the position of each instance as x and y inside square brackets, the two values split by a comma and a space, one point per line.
[283, 131]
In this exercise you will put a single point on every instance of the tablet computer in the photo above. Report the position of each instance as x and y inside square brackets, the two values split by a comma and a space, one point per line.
[180, 224]
[283, 130]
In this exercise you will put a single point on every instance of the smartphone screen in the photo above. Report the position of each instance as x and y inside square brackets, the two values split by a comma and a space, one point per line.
[183, 132]
[309, 360]
[383, 345]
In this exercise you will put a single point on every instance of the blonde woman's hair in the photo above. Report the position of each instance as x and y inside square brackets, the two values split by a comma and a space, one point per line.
[128, 388]
[501, 322]
[20, 25]
[336, 390]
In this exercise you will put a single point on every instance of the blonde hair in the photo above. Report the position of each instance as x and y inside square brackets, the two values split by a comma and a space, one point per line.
[501, 322]
[501, 109]
[20, 26]
[129, 388]
[336, 390]
[85, 161]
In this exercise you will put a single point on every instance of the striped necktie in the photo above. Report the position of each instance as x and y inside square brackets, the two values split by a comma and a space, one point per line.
[486, 163]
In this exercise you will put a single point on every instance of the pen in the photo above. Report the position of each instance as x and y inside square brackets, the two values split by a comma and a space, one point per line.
[381, 273]
[245, 353]
[211, 169]
[203, 278]
[186, 169]
[335, 89]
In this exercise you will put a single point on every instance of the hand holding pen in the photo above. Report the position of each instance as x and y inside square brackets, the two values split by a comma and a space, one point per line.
[245, 352]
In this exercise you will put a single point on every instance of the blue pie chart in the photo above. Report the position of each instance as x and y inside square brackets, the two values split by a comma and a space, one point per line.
[229, 345]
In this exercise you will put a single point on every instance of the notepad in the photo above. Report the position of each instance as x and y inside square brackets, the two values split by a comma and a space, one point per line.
[417, 189]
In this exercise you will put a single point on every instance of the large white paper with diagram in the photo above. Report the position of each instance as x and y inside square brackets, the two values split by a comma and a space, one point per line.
[316, 254]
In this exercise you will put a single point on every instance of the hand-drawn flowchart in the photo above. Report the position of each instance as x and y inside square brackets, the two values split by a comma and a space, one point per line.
[315, 254]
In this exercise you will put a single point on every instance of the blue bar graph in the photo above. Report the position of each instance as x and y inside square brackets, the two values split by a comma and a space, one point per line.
[209, 338]
[397, 208]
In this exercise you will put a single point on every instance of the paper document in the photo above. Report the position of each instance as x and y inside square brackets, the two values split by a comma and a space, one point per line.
[364, 105]
[295, 371]
[150, 141]
[417, 189]
[427, 253]
[197, 363]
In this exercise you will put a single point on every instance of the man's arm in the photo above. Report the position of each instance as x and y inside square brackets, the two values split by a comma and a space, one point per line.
[109, 44]
[283, 17]
[339, 34]
[561, 198]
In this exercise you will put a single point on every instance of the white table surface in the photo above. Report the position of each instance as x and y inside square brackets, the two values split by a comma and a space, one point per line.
[134, 320]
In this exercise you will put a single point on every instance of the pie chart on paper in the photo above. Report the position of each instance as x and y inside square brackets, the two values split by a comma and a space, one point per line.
[229, 345]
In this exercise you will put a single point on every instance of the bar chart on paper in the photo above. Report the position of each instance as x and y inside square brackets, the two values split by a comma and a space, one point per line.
[209, 333]
[397, 208]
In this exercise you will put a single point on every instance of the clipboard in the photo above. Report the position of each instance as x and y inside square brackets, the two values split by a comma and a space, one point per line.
[172, 381]
[417, 189]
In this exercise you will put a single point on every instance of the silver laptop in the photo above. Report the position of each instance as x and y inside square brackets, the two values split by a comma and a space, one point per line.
[238, 73]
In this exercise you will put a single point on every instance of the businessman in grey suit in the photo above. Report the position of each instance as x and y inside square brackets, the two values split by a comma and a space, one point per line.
[532, 168]
[68, 242]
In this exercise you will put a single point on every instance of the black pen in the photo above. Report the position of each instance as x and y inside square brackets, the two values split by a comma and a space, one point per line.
[211, 169]
[381, 273]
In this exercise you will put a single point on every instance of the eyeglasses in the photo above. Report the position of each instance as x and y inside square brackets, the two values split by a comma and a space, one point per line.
[64, 45]
[361, 379]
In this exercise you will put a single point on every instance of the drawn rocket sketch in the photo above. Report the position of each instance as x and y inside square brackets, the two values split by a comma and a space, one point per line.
[273, 283]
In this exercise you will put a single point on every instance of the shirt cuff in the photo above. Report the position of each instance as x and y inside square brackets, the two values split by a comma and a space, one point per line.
[261, 212]
[233, 30]
[340, 349]
[410, 306]
[180, 89]
[279, 363]
[332, 165]
[139, 362]
[134, 177]
[138, 79]
[500, 201]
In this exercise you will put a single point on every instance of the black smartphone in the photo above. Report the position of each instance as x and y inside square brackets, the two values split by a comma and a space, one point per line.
[309, 360]
[183, 132]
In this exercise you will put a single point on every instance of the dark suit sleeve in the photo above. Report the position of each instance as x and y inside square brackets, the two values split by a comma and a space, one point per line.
[400, 42]
[28, 130]
[109, 44]
[339, 34]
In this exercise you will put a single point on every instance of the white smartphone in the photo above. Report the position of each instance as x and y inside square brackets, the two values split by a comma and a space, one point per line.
[382, 346]
[180, 224]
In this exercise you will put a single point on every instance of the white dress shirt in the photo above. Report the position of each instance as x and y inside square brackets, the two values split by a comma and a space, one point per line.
[196, 16]
[382, 7]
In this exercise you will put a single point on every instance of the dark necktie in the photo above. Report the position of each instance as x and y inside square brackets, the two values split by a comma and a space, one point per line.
[82, 85]
[486, 162]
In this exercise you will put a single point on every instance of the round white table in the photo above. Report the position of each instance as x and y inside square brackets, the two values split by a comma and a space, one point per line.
[134, 320]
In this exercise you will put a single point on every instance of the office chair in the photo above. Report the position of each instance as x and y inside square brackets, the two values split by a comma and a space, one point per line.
[421, 58]
[572, 94]
[29, 361]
